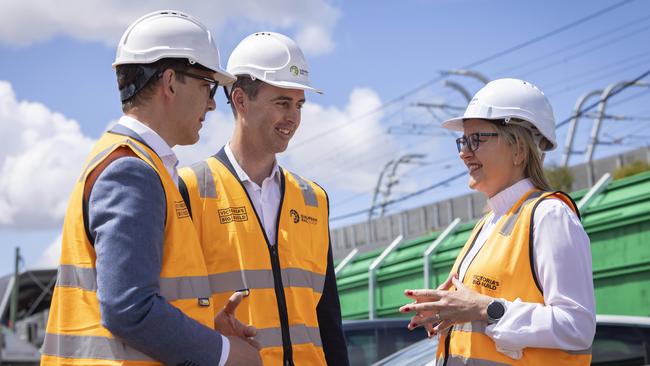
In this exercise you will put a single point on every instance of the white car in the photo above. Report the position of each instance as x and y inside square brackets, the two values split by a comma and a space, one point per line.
[620, 341]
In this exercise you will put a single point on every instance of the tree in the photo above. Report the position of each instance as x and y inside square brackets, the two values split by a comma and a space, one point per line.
[560, 178]
[633, 168]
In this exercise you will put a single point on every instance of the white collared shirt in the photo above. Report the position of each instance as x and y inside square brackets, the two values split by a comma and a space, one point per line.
[562, 256]
[156, 143]
[265, 199]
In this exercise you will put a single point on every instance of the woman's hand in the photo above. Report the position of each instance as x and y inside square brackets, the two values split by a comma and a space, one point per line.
[419, 318]
[441, 308]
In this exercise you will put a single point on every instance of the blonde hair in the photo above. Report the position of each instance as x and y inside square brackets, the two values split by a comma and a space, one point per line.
[515, 134]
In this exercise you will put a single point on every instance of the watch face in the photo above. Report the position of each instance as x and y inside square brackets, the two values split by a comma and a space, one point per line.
[495, 310]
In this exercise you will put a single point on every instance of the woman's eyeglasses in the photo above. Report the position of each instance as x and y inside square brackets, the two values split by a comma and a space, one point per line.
[473, 140]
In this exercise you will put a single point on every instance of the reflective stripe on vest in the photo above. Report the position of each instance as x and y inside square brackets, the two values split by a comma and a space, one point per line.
[263, 279]
[300, 334]
[462, 361]
[509, 225]
[90, 347]
[307, 191]
[480, 327]
[205, 182]
[174, 288]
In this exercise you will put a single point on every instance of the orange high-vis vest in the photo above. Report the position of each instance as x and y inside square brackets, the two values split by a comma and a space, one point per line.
[74, 333]
[285, 279]
[503, 268]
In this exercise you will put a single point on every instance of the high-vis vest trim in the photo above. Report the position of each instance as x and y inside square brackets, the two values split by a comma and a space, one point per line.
[204, 179]
[504, 268]
[170, 288]
[74, 333]
[84, 347]
[307, 191]
[300, 334]
[263, 279]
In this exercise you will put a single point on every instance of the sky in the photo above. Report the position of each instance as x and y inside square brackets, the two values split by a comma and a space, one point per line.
[375, 61]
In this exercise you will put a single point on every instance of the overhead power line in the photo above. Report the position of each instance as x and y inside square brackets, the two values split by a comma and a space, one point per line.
[469, 66]
[564, 122]
[400, 199]
[595, 104]
[549, 34]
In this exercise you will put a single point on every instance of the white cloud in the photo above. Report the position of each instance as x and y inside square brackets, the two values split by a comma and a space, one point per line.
[51, 255]
[314, 40]
[342, 148]
[216, 131]
[330, 143]
[24, 22]
[41, 154]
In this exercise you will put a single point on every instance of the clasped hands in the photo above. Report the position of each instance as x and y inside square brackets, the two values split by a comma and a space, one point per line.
[443, 307]
[244, 349]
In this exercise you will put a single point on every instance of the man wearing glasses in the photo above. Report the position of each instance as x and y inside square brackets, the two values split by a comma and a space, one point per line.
[132, 285]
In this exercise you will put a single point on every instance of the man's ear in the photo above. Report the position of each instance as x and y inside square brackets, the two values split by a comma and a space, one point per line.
[168, 81]
[239, 100]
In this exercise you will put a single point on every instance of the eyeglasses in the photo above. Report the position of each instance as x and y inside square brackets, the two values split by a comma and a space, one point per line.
[214, 84]
[472, 141]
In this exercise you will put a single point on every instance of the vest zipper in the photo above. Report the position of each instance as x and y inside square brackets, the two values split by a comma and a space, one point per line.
[282, 305]
[447, 344]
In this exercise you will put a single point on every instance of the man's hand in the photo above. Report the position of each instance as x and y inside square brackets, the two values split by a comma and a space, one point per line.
[242, 353]
[227, 324]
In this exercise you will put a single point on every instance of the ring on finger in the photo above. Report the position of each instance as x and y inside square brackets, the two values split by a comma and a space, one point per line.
[437, 316]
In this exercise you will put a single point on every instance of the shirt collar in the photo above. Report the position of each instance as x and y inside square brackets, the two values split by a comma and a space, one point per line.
[501, 202]
[241, 174]
[153, 140]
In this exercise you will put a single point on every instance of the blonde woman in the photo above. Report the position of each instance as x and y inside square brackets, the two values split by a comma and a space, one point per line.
[521, 290]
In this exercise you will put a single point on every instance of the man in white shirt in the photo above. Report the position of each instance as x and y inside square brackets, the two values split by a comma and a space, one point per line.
[129, 249]
[263, 228]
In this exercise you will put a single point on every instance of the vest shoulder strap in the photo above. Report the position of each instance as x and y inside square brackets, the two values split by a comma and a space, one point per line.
[182, 188]
[118, 153]
[531, 250]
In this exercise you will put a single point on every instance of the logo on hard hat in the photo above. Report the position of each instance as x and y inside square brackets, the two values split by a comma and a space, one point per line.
[295, 70]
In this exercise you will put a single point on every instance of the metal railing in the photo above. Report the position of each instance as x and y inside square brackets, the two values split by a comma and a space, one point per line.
[594, 191]
[372, 275]
[348, 258]
[434, 247]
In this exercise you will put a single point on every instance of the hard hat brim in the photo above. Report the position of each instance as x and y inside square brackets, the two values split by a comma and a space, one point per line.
[224, 77]
[455, 124]
[292, 85]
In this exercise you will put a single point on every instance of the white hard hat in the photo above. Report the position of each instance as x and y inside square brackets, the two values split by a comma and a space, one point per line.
[273, 58]
[514, 101]
[170, 34]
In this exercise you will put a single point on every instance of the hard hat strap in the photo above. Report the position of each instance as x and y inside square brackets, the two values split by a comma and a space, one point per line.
[145, 74]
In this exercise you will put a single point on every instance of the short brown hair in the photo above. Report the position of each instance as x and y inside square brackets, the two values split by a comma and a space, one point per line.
[249, 86]
[127, 74]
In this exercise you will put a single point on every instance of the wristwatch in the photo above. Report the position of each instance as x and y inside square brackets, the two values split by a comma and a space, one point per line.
[495, 310]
